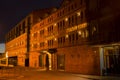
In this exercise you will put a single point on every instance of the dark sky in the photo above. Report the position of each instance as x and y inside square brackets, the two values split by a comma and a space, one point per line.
[12, 11]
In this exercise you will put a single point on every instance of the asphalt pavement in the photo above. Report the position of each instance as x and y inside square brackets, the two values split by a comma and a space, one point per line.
[20, 73]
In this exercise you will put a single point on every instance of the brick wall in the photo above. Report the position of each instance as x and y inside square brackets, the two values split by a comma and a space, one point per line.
[81, 59]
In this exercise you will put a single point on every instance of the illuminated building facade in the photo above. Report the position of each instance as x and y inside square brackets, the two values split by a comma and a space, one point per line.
[82, 36]
[17, 39]
[62, 37]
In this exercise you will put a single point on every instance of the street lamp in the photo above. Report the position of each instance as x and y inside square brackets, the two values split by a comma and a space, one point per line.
[6, 58]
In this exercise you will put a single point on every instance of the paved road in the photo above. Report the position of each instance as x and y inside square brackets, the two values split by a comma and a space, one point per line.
[37, 74]
[48, 75]
[23, 74]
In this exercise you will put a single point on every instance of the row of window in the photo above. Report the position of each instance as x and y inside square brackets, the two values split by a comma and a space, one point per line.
[61, 40]
[65, 10]
[71, 38]
[18, 44]
[72, 20]
[69, 8]
[18, 30]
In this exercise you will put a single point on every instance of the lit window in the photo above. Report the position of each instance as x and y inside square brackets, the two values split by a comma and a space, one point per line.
[55, 24]
[86, 32]
[82, 34]
[78, 13]
[55, 39]
[66, 36]
[66, 19]
[79, 32]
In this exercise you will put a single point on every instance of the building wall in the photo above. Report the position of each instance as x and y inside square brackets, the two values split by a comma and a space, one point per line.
[81, 59]
[70, 31]
[103, 21]
[66, 31]
[17, 47]
[20, 33]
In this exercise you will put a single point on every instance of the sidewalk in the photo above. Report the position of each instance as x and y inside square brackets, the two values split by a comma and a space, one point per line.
[98, 77]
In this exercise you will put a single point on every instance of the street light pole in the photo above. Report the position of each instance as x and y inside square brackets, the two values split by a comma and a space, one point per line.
[6, 58]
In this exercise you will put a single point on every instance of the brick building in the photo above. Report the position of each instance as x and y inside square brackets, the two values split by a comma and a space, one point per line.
[63, 36]
[82, 36]
[17, 39]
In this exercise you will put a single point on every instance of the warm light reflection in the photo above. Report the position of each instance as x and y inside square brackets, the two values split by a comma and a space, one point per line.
[55, 24]
[55, 39]
[79, 32]
[66, 19]
[6, 54]
[66, 36]
[78, 13]
[76, 27]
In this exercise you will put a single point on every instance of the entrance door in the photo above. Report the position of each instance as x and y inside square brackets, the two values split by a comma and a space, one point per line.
[61, 62]
[27, 62]
[112, 62]
[47, 61]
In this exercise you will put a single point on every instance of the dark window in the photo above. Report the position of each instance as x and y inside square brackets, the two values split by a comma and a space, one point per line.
[81, 15]
[29, 21]
[63, 24]
[72, 19]
[69, 20]
[76, 36]
[81, 2]
[73, 37]
[64, 39]
[76, 19]
[69, 38]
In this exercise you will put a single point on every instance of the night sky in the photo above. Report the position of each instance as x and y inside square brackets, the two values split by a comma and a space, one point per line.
[13, 11]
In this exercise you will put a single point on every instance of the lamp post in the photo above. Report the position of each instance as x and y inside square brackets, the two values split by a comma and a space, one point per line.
[6, 58]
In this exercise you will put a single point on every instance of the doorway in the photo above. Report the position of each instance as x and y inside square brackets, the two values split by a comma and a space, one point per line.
[112, 61]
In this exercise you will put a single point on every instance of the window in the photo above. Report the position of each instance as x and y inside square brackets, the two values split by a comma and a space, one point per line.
[23, 27]
[69, 20]
[35, 46]
[72, 19]
[50, 43]
[81, 15]
[75, 19]
[61, 40]
[76, 36]
[50, 29]
[42, 44]
[61, 25]
[69, 38]
[29, 21]
[73, 38]
[41, 32]
[81, 2]
[35, 35]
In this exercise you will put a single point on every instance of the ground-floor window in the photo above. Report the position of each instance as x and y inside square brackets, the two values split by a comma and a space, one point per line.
[112, 60]
[61, 62]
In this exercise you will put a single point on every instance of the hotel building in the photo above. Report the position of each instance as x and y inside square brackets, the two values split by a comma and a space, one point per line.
[79, 37]
[17, 39]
